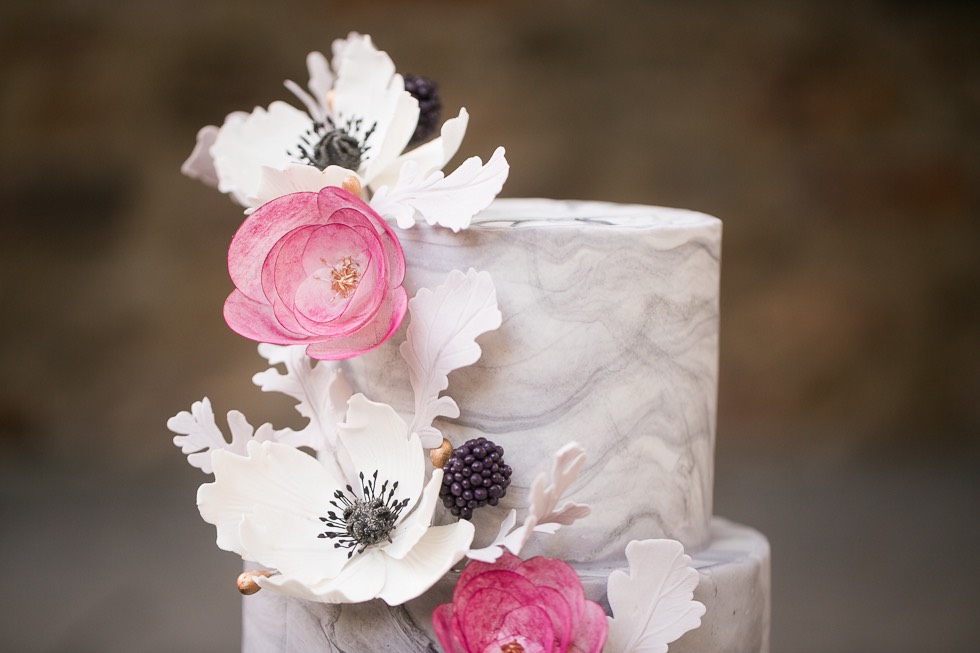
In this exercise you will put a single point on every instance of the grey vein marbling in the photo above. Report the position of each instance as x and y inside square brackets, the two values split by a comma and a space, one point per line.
[609, 338]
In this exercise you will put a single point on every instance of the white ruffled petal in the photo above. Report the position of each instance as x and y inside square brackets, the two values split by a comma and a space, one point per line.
[428, 561]
[264, 138]
[376, 439]
[296, 178]
[430, 156]
[388, 144]
[413, 527]
[361, 580]
[272, 475]
[290, 542]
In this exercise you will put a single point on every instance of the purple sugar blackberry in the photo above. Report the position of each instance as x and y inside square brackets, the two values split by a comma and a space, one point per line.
[474, 476]
[426, 92]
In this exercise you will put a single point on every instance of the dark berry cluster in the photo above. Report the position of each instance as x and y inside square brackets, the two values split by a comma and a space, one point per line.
[475, 476]
[426, 92]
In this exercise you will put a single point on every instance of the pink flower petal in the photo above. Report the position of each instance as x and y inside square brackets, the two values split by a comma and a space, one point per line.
[255, 321]
[530, 626]
[260, 232]
[370, 336]
[589, 635]
[442, 625]
[556, 574]
[393, 249]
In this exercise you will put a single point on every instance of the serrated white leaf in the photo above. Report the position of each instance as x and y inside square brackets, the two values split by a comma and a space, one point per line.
[544, 514]
[495, 549]
[440, 338]
[449, 201]
[653, 605]
[319, 387]
[199, 435]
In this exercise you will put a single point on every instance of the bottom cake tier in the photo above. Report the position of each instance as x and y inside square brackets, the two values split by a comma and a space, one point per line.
[734, 587]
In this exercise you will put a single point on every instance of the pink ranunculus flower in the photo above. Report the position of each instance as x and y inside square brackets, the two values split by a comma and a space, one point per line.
[518, 606]
[320, 269]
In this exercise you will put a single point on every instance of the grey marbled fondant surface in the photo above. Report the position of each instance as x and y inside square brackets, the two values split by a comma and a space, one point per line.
[734, 586]
[609, 338]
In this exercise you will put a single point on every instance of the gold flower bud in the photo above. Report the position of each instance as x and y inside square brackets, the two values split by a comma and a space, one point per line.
[441, 454]
[352, 185]
[246, 580]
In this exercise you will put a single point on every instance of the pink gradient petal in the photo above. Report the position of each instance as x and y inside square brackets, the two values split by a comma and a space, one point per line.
[255, 321]
[531, 624]
[589, 635]
[481, 619]
[259, 233]
[393, 249]
[384, 325]
[317, 303]
[442, 625]
[544, 572]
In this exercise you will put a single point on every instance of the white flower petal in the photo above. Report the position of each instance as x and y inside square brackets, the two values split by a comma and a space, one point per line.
[433, 155]
[321, 79]
[429, 560]
[389, 143]
[376, 439]
[273, 475]
[413, 527]
[290, 542]
[361, 580]
[296, 178]
[199, 164]
[264, 138]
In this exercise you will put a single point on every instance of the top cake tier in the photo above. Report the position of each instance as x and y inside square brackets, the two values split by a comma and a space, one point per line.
[609, 338]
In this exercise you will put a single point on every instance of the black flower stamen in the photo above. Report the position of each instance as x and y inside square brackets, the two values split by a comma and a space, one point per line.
[325, 144]
[366, 521]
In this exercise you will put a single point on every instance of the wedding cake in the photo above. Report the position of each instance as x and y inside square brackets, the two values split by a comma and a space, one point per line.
[511, 403]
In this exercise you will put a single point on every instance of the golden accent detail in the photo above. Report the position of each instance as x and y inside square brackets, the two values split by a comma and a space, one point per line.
[513, 647]
[345, 277]
[352, 185]
[246, 580]
[441, 454]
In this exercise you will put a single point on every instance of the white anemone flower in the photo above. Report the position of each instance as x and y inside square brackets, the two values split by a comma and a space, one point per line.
[337, 540]
[358, 121]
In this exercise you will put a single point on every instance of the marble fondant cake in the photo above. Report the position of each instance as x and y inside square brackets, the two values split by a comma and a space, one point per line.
[610, 339]
[544, 370]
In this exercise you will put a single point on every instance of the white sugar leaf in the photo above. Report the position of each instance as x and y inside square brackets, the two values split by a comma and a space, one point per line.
[440, 338]
[494, 550]
[199, 435]
[449, 201]
[544, 514]
[653, 605]
[320, 388]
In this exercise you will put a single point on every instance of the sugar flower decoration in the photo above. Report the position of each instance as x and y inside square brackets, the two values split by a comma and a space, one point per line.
[318, 269]
[364, 535]
[359, 120]
[653, 604]
[517, 606]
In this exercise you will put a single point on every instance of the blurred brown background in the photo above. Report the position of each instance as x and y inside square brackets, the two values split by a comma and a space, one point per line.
[839, 142]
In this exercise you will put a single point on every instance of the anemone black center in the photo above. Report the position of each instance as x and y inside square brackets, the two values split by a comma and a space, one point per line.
[326, 144]
[364, 521]
[337, 148]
